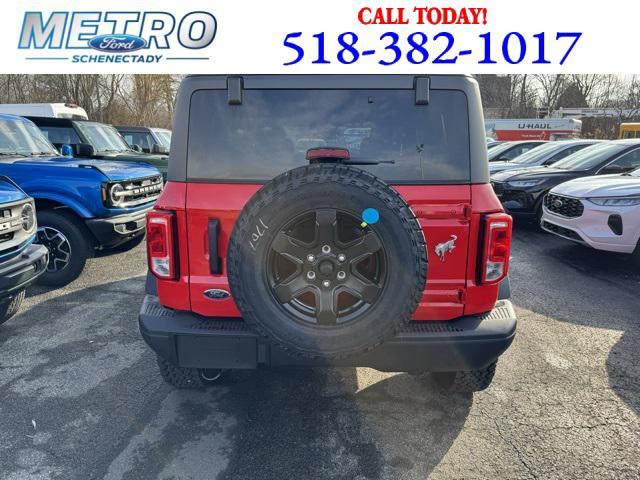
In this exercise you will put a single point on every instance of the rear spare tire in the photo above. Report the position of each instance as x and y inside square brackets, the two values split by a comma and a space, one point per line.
[307, 271]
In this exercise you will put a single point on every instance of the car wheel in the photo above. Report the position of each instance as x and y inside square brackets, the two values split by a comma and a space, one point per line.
[309, 272]
[471, 381]
[9, 307]
[69, 247]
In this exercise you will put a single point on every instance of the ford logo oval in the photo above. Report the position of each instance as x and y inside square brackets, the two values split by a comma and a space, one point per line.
[117, 43]
[216, 294]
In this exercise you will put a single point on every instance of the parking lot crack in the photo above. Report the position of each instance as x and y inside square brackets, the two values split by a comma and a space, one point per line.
[515, 448]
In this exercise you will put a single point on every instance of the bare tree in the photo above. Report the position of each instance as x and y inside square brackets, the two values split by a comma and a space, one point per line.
[587, 85]
[149, 99]
[523, 97]
[551, 88]
[140, 99]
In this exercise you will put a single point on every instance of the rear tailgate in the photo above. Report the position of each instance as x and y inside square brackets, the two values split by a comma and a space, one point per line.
[442, 210]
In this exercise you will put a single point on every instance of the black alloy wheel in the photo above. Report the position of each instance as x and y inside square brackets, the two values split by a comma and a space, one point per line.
[58, 245]
[325, 269]
[69, 244]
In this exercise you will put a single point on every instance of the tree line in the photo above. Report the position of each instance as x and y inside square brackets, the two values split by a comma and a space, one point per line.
[527, 95]
[536, 96]
[150, 99]
[118, 99]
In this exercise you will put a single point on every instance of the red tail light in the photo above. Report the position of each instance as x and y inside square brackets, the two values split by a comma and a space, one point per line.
[497, 247]
[160, 244]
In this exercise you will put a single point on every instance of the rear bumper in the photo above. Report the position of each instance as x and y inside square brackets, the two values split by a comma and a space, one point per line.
[22, 270]
[113, 231]
[189, 340]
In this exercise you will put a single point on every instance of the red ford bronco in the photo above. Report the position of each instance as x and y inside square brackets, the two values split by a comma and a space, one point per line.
[328, 221]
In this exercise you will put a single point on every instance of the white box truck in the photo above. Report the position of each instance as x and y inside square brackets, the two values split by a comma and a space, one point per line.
[55, 110]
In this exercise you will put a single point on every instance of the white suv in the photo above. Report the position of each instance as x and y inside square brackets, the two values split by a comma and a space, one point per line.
[601, 211]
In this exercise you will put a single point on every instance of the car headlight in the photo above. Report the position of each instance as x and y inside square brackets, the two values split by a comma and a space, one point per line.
[28, 215]
[525, 183]
[616, 201]
[116, 194]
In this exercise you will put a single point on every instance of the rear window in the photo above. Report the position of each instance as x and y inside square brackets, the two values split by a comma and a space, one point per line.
[272, 130]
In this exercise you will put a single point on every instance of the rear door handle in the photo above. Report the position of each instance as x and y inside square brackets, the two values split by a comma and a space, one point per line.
[215, 263]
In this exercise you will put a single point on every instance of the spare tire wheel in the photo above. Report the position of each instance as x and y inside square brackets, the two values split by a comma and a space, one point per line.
[307, 272]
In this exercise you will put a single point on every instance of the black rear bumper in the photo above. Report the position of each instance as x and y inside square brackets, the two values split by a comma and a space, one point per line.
[113, 231]
[189, 340]
[22, 270]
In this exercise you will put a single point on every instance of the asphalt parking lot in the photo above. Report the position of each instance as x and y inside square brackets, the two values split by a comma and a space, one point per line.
[80, 397]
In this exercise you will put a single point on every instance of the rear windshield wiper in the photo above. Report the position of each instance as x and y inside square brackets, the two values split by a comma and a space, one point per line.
[367, 162]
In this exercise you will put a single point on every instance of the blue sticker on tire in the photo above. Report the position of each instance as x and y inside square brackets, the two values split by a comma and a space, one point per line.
[370, 216]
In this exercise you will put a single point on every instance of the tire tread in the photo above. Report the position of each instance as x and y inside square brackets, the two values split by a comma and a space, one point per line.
[469, 381]
[10, 307]
[180, 377]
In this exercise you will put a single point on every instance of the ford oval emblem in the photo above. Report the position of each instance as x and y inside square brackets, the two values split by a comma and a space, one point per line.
[117, 43]
[216, 294]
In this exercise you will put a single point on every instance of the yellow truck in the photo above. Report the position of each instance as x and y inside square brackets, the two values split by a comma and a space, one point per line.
[629, 130]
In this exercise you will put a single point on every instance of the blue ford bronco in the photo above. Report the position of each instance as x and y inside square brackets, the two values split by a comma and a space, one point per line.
[83, 205]
[21, 260]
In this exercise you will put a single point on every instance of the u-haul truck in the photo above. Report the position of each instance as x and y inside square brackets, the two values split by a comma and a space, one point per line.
[533, 128]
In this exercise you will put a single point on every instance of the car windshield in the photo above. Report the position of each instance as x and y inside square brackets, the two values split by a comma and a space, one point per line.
[103, 138]
[635, 173]
[590, 157]
[164, 136]
[20, 138]
[496, 151]
[535, 156]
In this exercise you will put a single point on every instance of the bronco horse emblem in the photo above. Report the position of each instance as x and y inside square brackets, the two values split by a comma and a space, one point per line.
[445, 247]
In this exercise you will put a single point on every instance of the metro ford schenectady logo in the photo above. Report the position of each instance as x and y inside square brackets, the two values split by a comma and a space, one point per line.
[117, 43]
[116, 37]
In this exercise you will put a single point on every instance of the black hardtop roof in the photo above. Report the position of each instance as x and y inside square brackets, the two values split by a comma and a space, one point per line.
[133, 128]
[51, 121]
[276, 81]
[58, 122]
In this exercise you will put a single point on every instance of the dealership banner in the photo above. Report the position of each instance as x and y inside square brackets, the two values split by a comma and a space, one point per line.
[333, 36]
